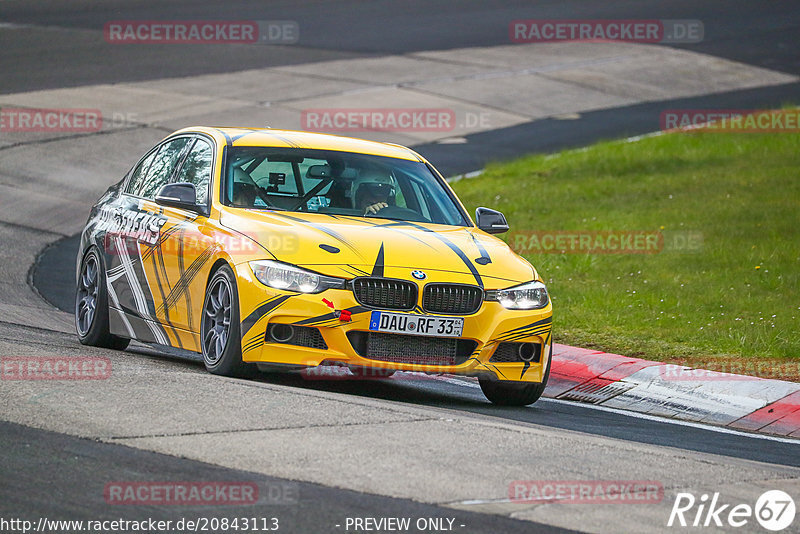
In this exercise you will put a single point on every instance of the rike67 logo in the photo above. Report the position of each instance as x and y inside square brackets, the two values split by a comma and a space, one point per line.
[774, 510]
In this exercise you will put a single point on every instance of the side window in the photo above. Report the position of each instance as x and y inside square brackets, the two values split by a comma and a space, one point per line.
[197, 169]
[135, 183]
[163, 164]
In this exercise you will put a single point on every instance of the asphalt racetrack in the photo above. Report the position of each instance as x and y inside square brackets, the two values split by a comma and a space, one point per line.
[324, 451]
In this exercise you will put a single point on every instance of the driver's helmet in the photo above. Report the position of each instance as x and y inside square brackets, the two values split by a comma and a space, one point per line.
[373, 185]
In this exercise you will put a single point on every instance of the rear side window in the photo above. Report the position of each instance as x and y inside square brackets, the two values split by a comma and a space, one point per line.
[197, 169]
[137, 178]
[167, 157]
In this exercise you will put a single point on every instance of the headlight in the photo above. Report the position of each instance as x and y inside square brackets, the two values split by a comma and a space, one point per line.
[291, 278]
[528, 296]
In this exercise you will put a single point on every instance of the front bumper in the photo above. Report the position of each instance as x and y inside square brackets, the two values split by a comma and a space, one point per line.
[262, 307]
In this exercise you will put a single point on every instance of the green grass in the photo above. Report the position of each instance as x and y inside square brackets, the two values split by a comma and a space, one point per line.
[741, 192]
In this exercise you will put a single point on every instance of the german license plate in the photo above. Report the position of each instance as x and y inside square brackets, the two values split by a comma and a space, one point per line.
[421, 325]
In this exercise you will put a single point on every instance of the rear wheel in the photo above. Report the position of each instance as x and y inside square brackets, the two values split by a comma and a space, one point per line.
[91, 305]
[509, 393]
[220, 330]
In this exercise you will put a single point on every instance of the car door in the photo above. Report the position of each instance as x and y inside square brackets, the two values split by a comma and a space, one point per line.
[138, 232]
[176, 268]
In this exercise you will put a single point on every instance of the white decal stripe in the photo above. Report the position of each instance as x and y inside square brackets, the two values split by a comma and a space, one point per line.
[115, 272]
[138, 294]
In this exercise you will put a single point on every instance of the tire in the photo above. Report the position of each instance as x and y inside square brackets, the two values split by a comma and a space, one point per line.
[508, 393]
[91, 305]
[220, 331]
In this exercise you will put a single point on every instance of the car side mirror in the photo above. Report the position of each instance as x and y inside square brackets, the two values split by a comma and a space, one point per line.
[491, 221]
[181, 195]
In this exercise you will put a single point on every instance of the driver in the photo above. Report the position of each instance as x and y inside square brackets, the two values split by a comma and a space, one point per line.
[373, 190]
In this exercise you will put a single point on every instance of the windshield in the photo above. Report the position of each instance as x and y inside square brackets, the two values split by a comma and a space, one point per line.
[337, 183]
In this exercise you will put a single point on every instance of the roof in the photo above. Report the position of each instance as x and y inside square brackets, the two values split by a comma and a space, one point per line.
[296, 139]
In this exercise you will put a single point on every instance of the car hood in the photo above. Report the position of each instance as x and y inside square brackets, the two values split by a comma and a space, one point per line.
[325, 243]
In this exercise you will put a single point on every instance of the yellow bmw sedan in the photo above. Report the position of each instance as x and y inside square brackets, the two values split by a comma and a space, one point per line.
[272, 249]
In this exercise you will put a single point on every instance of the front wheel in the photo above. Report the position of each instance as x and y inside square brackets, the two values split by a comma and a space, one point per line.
[91, 305]
[507, 393]
[220, 331]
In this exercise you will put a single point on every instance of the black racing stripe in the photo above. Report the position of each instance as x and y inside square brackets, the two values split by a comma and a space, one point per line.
[529, 328]
[188, 276]
[313, 321]
[228, 140]
[482, 251]
[394, 225]
[464, 258]
[354, 273]
[181, 271]
[253, 343]
[496, 369]
[163, 236]
[453, 247]
[330, 323]
[412, 236]
[322, 228]
[254, 347]
[377, 269]
[158, 264]
[527, 364]
[286, 140]
[261, 311]
[139, 279]
[237, 137]
[523, 333]
[257, 341]
[328, 316]
[541, 322]
[365, 273]
[549, 339]
[257, 338]
[486, 365]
